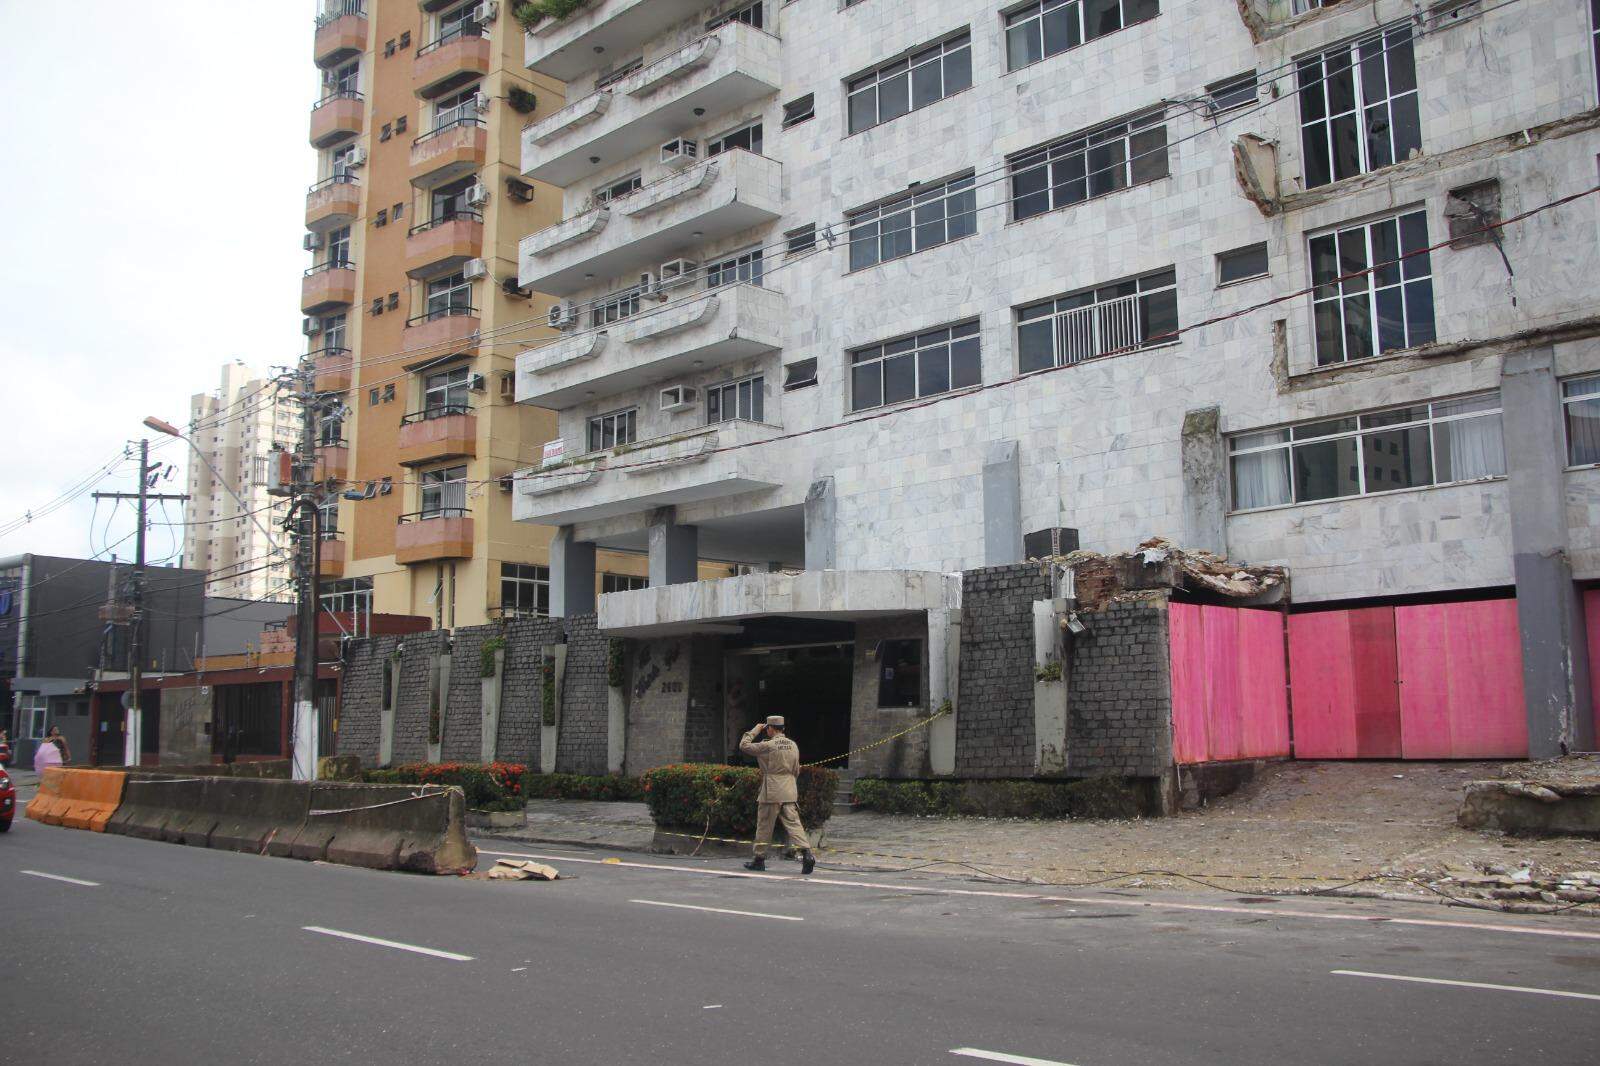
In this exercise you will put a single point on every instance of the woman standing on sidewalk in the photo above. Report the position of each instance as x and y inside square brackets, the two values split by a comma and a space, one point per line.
[46, 755]
[55, 737]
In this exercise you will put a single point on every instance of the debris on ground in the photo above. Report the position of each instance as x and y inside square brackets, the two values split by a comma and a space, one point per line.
[1157, 563]
[1551, 797]
[521, 870]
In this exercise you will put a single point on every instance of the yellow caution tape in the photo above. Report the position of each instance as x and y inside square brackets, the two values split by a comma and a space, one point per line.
[879, 743]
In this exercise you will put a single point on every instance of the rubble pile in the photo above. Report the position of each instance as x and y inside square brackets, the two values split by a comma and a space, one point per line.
[1157, 563]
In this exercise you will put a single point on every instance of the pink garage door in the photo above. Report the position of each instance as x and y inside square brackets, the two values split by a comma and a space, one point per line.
[1591, 617]
[1345, 684]
[1438, 681]
[1229, 698]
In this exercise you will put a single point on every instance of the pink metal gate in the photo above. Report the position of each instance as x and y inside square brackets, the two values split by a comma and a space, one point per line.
[1229, 692]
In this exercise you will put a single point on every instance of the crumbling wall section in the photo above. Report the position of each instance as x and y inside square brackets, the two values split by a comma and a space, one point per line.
[905, 756]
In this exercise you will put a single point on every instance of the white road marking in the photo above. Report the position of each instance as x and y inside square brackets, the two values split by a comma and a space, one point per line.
[1468, 984]
[58, 877]
[996, 1056]
[712, 1006]
[388, 943]
[717, 910]
[1277, 912]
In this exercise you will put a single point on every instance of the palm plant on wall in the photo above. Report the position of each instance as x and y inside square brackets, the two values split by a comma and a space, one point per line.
[532, 12]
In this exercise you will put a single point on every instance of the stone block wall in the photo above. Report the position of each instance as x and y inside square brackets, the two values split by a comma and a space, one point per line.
[581, 743]
[994, 724]
[411, 711]
[905, 756]
[361, 698]
[462, 736]
[703, 718]
[1119, 692]
[658, 702]
[522, 689]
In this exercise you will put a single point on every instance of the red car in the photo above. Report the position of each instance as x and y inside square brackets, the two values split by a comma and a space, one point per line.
[8, 801]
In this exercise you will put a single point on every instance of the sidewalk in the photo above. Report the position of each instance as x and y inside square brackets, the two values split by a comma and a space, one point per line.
[1301, 826]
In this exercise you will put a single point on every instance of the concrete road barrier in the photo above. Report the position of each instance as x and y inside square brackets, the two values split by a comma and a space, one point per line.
[77, 799]
[161, 808]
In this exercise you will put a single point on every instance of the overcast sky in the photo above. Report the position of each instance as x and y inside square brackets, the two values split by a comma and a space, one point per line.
[155, 171]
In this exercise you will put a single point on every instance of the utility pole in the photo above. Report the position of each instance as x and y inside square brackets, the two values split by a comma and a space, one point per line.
[308, 594]
[133, 722]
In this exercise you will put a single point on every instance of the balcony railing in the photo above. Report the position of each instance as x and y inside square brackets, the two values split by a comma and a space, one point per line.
[454, 216]
[450, 150]
[341, 32]
[450, 61]
[337, 179]
[444, 410]
[435, 512]
[441, 243]
[467, 29]
[442, 312]
[333, 201]
[334, 10]
[564, 49]
[443, 532]
[336, 116]
[447, 431]
[331, 264]
[328, 284]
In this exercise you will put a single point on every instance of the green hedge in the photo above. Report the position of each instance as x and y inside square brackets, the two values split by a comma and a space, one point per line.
[610, 787]
[1094, 797]
[489, 787]
[682, 795]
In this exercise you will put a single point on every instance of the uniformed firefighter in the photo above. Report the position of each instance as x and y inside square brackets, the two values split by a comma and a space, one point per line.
[779, 796]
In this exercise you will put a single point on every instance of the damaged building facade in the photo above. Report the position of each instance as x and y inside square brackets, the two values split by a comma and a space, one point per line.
[869, 298]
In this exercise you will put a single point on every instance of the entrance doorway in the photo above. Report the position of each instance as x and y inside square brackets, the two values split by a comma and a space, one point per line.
[811, 687]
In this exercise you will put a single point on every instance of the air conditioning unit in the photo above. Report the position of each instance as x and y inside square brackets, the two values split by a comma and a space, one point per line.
[485, 13]
[476, 383]
[647, 284]
[312, 242]
[676, 272]
[679, 398]
[563, 316]
[519, 190]
[505, 482]
[474, 269]
[508, 386]
[481, 102]
[311, 326]
[356, 158]
[477, 194]
[680, 153]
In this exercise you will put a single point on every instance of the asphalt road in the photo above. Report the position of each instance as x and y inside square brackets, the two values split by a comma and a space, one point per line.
[136, 952]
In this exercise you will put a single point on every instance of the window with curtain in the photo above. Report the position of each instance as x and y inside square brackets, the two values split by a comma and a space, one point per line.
[444, 492]
[1580, 403]
[1437, 443]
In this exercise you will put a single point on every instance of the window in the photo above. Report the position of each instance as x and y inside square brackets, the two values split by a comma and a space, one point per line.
[330, 430]
[904, 85]
[1088, 164]
[1102, 321]
[1409, 447]
[1049, 27]
[445, 393]
[750, 15]
[737, 400]
[346, 80]
[444, 492]
[1367, 298]
[524, 589]
[929, 217]
[623, 583]
[333, 332]
[458, 22]
[619, 188]
[801, 239]
[801, 375]
[900, 673]
[618, 427]
[1358, 107]
[450, 201]
[339, 161]
[922, 365]
[352, 596]
[747, 137]
[449, 295]
[805, 109]
[328, 518]
[1580, 403]
[740, 266]
[611, 77]
[33, 710]
[339, 247]
[615, 308]
[1229, 93]
[456, 107]
[1242, 263]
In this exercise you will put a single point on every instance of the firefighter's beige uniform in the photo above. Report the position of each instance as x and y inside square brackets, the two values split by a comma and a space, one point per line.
[777, 801]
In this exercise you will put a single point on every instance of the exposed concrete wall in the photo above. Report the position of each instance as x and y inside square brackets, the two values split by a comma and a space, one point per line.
[1002, 503]
[572, 564]
[185, 715]
[1205, 481]
[674, 551]
[821, 516]
[905, 756]
[658, 702]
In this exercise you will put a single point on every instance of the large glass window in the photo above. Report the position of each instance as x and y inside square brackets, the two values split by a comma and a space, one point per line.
[339, 247]
[924, 364]
[458, 22]
[747, 137]
[623, 582]
[1358, 106]
[1103, 321]
[616, 190]
[743, 400]
[450, 201]
[1088, 164]
[1404, 448]
[1373, 288]
[932, 216]
[1045, 28]
[1580, 402]
[740, 266]
[444, 492]
[449, 295]
[615, 308]
[333, 332]
[610, 430]
[904, 85]
[524, 589]
[446, 392]
[456, 107]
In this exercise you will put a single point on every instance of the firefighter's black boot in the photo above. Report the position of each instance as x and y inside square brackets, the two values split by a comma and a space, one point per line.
[808, 862]
[757, 863]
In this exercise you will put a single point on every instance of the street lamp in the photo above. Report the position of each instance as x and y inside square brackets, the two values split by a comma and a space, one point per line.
[152, 422]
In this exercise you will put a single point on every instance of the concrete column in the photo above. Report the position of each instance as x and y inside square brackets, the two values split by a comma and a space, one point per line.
[944, 672]
[1205, 481]
[674, 551]
[1555, 661]
[1002, 503]
[571, 575]
[821, 511]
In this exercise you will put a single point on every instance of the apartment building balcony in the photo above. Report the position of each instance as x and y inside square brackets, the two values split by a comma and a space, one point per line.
[331, 554]
[341, 32]
[437, 246]
[720, 72]
[705, 463]
[426, 536]
[333, 369]
[336, 117]
[333, 461]
[333, 202]
[448, 331]
[446, 432]
[566, 48]
[459, 57]
[656, 347]
[328, 285]
[638, 232]
[451, 151]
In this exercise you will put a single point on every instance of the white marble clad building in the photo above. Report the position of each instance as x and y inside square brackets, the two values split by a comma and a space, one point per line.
[1086, 231]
